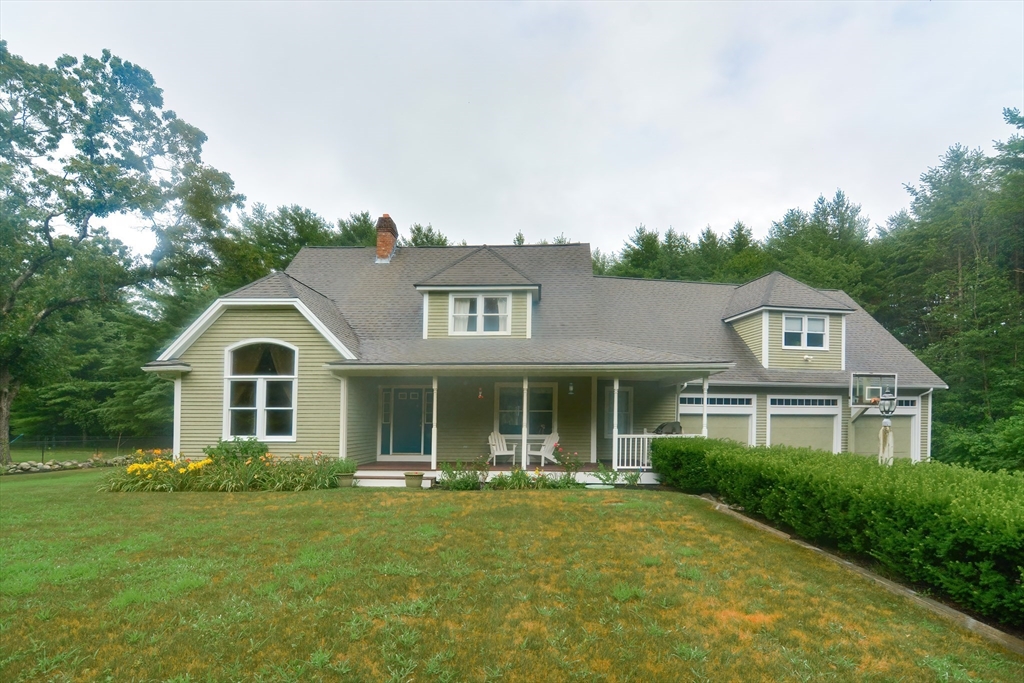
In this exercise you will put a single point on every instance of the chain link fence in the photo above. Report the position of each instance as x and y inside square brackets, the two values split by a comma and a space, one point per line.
[76, 448]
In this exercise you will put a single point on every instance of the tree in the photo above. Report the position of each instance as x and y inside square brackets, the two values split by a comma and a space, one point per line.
[80, 142]
[420, 236]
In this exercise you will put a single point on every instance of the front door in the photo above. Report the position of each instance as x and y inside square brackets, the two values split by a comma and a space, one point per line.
[408, 421]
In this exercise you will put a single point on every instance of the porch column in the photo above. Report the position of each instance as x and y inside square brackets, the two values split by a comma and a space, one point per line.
[343, 430]
[704, 414]
[615, 423]
[593, 419]
[526, 420]
[433, 427]
[176, 443]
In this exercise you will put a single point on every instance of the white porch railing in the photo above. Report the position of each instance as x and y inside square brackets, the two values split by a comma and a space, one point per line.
[634, 450]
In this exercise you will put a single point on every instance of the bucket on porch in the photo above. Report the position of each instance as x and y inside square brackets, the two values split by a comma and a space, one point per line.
[413, 480]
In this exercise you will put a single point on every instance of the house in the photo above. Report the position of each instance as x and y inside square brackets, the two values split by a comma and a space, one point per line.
[404, 357]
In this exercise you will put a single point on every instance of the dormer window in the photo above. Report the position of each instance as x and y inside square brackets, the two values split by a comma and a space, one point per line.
[480, 314]
[804, 332]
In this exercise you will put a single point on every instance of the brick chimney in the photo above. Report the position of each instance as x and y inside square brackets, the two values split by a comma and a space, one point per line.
[387, 238]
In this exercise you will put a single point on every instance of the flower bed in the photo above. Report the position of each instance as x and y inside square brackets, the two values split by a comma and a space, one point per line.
[957, 530]
[229, 466]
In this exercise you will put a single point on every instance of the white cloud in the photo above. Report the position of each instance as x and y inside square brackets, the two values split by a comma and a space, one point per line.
[587, 119]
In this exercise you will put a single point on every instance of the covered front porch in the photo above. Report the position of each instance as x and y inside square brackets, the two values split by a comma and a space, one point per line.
[398, 422]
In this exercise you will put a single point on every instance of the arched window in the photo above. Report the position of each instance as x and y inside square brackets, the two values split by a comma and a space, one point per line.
[261, 391]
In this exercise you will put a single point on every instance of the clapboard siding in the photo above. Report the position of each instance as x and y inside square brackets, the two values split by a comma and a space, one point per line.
[925, 425]
[779, 357]
[464, 420]
[318, 394]
[761, 417]
[437, 315]
[844, 423]
[749, 330]
[362, 419]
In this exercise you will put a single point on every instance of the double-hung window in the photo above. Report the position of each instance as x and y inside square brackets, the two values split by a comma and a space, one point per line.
[804, 332]
[261, 392]
[540, 410]
[480, 314]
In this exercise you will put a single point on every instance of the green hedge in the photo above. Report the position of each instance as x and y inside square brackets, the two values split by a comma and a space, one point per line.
[959, 531]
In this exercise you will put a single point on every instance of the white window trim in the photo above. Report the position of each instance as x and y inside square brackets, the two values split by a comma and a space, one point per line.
[803, 334]
[479, 313]
[261, 384]
[719, 410]
[498, 386]
[836, 411]
[608, 391]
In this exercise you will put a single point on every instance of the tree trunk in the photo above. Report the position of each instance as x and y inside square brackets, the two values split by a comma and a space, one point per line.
[8, 391]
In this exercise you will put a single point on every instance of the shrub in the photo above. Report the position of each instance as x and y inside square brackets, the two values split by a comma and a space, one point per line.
[957, 530]
[458, 478]
[227, 468]
[680, 462]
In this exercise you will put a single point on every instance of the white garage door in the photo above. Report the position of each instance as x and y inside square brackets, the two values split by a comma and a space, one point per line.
[865, 434]
[733, 427]
[809, 431]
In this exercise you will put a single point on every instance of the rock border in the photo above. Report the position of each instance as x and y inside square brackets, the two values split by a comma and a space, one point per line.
[990, 633]
[34, 466]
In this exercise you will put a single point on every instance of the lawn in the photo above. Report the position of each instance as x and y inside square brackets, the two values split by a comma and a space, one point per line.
[390, 585]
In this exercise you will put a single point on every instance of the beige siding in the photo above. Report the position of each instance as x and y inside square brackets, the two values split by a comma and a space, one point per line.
[844, 423]
[437, 314]
[749, 330]
[363, 407]
[761, 416]
[463, 420]
[779, 357]
[318, 394]
[925, 425]
[574, 416]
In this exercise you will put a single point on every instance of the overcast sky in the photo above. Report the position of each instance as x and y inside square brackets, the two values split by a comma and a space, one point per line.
[579, 118]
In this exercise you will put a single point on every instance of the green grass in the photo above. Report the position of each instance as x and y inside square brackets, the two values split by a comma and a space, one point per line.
[390, 585]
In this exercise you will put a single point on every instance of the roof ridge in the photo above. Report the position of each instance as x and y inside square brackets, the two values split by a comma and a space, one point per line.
[312, 289]
[452, 264]
[651, 279]
[503, 260]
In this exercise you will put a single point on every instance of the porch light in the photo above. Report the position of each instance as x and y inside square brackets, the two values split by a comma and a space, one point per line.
[480, 393]
[571, 392]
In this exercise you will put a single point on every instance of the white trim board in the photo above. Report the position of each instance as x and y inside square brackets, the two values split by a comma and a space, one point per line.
[217, 308]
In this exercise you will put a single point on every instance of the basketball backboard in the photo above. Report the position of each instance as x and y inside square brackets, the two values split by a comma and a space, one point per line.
[866, 388]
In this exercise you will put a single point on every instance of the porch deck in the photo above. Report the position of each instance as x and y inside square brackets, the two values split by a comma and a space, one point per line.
[392, 473]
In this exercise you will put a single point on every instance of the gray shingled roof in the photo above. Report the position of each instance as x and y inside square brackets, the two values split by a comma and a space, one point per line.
[375, 310]
[778, 291]
[480, 267]
[285, 286]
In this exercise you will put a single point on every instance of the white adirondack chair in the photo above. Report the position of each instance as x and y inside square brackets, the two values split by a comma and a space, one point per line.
[498, 447]
[545, 451]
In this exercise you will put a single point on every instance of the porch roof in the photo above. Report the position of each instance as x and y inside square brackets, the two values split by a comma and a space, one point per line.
[504, 353]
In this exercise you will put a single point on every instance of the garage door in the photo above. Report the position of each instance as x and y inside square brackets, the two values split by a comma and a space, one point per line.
[810, 431]
[691, 423]
[734, 427]
[865, 434]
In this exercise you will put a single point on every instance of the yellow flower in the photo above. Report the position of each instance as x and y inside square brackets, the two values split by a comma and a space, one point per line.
[182, 470]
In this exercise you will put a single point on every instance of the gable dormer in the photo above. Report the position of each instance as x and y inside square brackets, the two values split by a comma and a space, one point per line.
[479, 296]
[787, 324]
